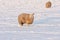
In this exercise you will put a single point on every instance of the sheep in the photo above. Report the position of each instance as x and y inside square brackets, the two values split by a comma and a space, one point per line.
[48, 4]
[25, 18]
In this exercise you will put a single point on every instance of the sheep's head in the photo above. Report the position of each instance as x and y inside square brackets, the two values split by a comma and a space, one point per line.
[31, 15]
[30, 19]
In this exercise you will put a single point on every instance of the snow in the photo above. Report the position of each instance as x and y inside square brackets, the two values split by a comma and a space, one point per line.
[46, 25]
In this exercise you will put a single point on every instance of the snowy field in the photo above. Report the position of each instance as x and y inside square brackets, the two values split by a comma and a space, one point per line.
[46, 24]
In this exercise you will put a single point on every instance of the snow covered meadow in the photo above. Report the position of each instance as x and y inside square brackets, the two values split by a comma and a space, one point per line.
[46, 24]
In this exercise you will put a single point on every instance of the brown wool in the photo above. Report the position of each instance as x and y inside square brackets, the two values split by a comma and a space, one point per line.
[25, 18]
[48, 4]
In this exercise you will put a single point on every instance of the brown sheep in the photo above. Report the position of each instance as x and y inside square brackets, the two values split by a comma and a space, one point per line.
[25, 18]
[48, 4]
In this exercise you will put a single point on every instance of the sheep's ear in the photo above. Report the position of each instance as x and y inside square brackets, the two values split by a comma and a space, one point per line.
[33, 14]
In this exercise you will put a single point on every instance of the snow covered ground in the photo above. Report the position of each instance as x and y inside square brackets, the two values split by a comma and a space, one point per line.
[46, 24]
